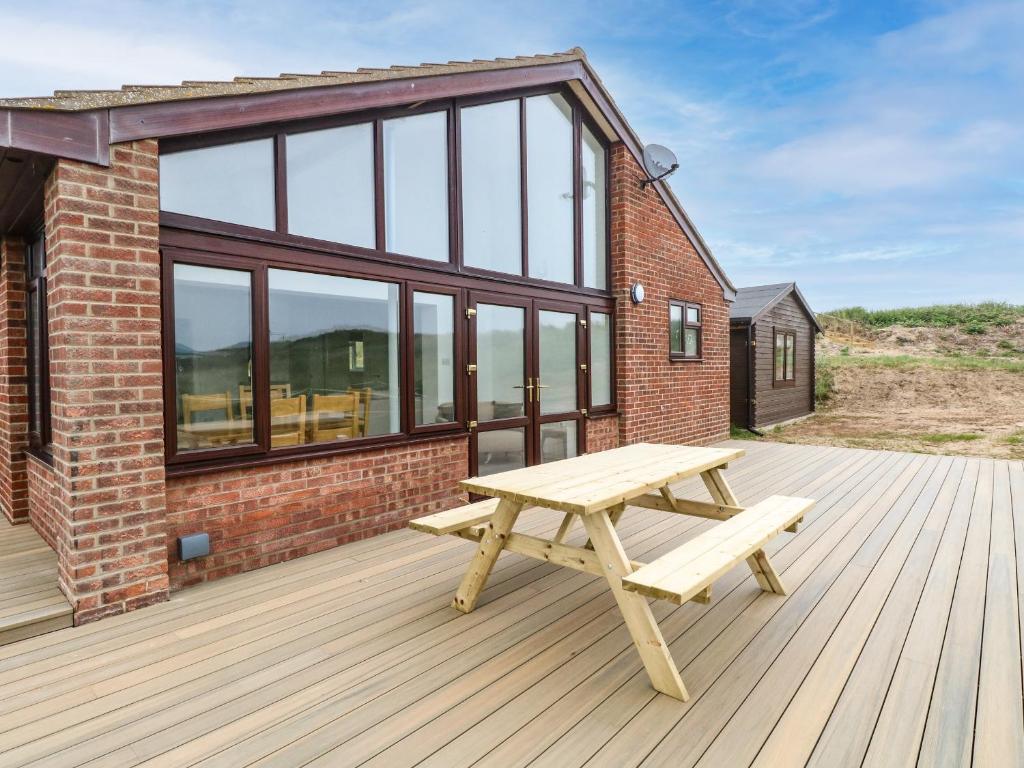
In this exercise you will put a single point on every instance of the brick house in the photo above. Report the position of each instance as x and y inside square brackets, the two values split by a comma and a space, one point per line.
[293, 312]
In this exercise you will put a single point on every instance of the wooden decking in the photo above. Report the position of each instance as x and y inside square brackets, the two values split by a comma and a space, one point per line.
[898, 644]
[30, 602]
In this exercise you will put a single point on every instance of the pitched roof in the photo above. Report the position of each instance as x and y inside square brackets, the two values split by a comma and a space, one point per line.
[79, 101]
[38, 124]
[755, 300]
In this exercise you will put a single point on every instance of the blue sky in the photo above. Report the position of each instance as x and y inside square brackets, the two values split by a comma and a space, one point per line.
[871, 151]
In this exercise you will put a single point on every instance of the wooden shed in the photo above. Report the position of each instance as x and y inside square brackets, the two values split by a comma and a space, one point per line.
[771, 333]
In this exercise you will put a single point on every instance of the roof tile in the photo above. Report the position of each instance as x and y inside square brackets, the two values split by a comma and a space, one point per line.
[77, 101]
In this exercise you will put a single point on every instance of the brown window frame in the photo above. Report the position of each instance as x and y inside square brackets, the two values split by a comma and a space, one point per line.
[681, 355]
[454, 264]
[37, 350]
[788, 376]
[612, 406]
[260, 449]
[189, 247]
[206, 242]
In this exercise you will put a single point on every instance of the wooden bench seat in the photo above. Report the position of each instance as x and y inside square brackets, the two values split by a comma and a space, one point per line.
[457, 519]
[690, 569]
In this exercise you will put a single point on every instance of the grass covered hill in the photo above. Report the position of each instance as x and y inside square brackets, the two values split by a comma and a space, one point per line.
[969, 317]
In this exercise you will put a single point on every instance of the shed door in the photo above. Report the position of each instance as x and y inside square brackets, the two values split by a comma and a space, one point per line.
[739, 380]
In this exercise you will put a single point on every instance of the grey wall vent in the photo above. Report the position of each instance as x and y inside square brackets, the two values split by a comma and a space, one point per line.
[193, 546]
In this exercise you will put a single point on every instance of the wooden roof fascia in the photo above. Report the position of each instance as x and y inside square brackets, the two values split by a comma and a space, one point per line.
[75, 135]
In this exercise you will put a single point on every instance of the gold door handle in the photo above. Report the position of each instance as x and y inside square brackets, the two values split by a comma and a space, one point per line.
[540, 387]
[528, 387]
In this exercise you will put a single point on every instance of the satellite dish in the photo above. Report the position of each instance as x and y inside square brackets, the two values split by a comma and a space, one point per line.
[659, 162]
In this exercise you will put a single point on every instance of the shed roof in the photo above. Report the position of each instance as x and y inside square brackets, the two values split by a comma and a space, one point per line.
[755, 300]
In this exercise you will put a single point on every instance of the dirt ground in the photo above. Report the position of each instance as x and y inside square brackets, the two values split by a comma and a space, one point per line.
[922, 409]
[908, 410]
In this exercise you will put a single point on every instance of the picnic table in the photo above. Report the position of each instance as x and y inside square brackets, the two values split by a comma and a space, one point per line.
[596, 488]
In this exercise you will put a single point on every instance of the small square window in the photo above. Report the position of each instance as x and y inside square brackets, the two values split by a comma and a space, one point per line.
[684, 330]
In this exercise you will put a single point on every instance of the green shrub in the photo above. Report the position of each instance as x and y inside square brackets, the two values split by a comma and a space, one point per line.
[982, 315]
[973, 327]
[824, 382]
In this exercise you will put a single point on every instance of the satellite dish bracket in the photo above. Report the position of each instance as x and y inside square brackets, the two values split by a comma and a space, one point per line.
[651, 180]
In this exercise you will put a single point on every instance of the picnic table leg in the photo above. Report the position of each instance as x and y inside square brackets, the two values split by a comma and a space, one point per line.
[614, 514]
[565, 527]
[765, 573]
[491, 544]
[635, 610]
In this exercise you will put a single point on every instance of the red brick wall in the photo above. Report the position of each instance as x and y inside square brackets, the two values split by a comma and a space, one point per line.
[602, 433]
[102, 231]
[42, 493]
[13, 381]
[263, 515]
[662, 400]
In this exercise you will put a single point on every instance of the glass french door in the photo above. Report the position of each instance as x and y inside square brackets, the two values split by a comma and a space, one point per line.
[525, 382]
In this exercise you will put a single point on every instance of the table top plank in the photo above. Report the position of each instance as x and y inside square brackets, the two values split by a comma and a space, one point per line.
[588, 483]
[576, 473]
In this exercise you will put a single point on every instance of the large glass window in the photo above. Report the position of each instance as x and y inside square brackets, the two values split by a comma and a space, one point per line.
[416, 185]
[38, 346]
[600, 359]
[491, 199]
[229, 182]
[330, 185]
[433, 342]
[592, 184]
[333, 358]
[549, 186]
[213, 356]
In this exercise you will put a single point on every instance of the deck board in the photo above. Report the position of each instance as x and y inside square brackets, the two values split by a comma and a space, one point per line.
[31, 603]
[899, 641]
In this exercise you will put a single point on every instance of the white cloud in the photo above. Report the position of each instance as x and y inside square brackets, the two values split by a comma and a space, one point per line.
[100, 56]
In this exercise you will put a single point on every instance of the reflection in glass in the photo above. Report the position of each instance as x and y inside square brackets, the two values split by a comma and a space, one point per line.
[491, 222]
[780, 357]
[690, 345]
[433, 345]
[549, 186]
[675, 316]
[229, 182]
[790, 356]
[692, 315]
[501, 450]
[330, 185]
[499, 358]
[595, 259]
[557, 381]
[557, 441]
[35, 367]
[600, 359]
[333, 343]
[212, 356]
[416, 185]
